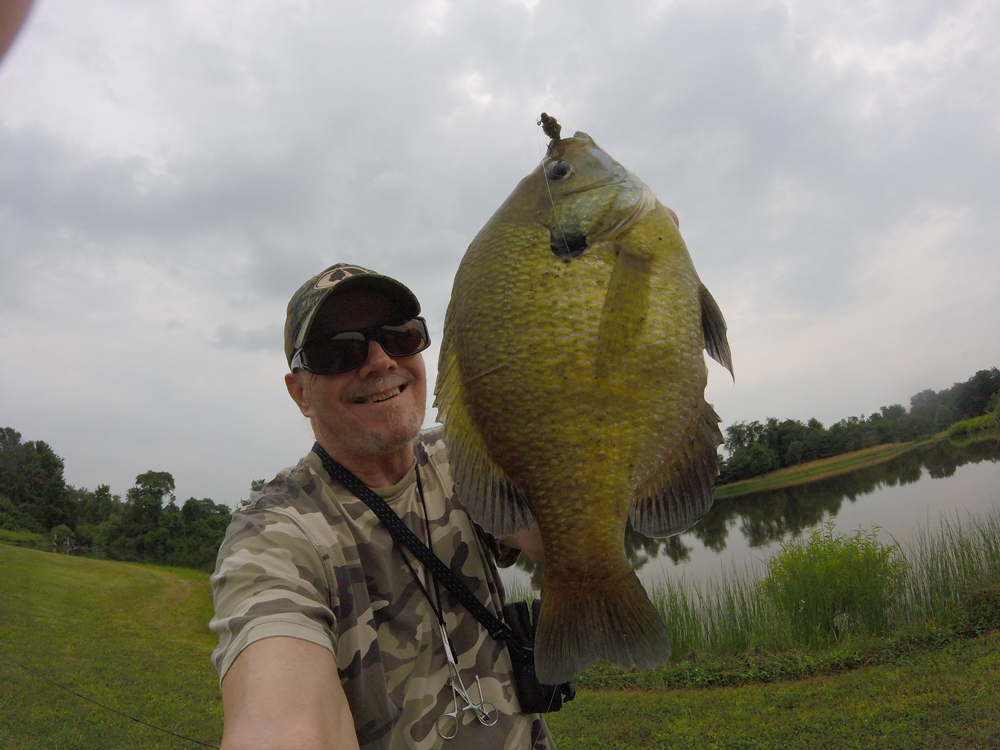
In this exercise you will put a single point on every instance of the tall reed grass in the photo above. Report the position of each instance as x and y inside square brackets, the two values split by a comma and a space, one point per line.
[823, 588]
[949, 564]
[517, 591]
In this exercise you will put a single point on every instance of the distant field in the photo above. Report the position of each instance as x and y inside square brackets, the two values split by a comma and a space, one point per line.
[821, 469]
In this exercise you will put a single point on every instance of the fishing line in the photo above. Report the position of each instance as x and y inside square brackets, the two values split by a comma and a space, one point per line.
[548, 189]
[101, 705]
[574, 277]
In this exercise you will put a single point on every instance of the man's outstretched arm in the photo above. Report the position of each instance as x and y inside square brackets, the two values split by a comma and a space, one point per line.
[285, 693]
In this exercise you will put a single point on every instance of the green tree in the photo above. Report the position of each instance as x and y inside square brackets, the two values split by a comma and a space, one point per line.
[31, 477]
[203, 526]
[945, 415]
[975, 393]
[142, 515]
[96, 507]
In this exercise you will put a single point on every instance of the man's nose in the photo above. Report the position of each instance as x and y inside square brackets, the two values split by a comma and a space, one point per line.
[377, 362]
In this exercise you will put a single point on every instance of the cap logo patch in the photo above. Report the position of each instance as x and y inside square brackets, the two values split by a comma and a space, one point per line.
[334, 277]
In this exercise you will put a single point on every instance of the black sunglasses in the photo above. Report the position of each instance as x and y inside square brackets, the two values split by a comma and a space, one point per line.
[348, 350]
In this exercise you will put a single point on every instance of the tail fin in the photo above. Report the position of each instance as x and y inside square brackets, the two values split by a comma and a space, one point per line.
[579, 625]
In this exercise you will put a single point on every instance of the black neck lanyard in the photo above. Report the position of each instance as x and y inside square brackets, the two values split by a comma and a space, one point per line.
[403, 537]
[430, 545]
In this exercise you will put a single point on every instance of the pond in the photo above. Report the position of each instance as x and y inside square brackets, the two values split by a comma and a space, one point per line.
[899, 496]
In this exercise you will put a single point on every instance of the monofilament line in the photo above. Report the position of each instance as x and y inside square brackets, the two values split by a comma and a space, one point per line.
[101, 705]
[548, 189]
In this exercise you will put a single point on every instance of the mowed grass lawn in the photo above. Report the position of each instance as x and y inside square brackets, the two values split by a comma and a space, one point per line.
[132, 637]
[136, 638]
[948, 698]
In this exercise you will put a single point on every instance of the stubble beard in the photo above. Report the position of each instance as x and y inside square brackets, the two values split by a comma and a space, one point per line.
[399, 433]
[398, 430]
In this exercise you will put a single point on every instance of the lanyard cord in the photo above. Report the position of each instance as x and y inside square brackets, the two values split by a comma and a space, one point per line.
[402, 536]
[430, 545]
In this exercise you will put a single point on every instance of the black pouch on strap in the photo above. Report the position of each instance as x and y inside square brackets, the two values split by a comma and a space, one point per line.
[534, 697]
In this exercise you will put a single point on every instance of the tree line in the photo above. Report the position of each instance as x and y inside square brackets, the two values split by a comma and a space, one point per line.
[147, 526]
[757, 448]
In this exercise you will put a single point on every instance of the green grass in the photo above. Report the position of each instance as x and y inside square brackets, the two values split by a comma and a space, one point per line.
[953, 566]
[135, 637]
[25, 539]
[132, 637]
[820, 469]
[827, 586]
[518, 591]
[980, 428]
[942, 698]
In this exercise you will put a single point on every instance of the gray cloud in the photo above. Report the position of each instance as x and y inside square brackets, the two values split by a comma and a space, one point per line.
[230, 336]
[171, 174]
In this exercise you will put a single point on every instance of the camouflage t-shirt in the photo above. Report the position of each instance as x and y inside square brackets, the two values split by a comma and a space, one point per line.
[309, 560]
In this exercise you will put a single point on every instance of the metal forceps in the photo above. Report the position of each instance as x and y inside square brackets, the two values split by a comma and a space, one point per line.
[485, 711]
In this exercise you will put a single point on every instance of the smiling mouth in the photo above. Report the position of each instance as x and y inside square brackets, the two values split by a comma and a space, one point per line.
[383, 396]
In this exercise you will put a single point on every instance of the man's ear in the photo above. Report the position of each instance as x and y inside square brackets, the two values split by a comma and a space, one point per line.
[296, 385]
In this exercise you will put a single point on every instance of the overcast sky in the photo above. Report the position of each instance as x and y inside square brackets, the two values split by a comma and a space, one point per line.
[170, 172]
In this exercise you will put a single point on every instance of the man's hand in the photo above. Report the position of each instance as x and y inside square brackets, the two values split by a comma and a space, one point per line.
[285, 693]
[529, 542]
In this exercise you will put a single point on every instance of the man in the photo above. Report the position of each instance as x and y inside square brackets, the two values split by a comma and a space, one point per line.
[330, 635]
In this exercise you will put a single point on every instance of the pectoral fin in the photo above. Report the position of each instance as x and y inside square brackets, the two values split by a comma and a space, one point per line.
[714, 327]
[682, 490]
[625, 308]
[489, 496]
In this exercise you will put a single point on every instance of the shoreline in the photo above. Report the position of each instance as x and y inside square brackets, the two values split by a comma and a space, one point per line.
[822, 468]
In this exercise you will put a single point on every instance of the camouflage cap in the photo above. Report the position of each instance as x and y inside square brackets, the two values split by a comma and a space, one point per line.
[310, 296]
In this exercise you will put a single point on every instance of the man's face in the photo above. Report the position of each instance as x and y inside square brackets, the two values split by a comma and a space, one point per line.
[375, 410]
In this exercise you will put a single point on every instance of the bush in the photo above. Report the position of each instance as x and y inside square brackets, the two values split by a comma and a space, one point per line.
[969, 427]
[61, 533]
[827, 586]
[980, 612]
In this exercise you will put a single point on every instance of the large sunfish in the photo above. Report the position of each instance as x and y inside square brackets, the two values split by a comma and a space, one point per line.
[571, 385]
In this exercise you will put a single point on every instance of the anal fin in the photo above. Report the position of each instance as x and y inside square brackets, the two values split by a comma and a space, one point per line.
[682, 490]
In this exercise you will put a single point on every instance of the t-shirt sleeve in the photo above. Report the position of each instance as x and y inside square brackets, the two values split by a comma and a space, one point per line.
[269, 580]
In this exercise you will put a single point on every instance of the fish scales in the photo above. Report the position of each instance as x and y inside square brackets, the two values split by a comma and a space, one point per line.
[571, 385]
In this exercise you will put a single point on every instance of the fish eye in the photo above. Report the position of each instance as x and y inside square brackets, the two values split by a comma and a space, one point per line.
[559, 170]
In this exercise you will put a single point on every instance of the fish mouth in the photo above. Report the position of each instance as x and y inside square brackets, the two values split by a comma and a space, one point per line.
[567, 246]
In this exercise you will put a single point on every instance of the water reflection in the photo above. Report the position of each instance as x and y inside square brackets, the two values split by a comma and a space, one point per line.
[767, 517]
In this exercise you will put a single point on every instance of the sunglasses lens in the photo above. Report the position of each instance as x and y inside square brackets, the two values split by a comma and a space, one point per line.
[348, 350]
[404, 340]
[341, 353]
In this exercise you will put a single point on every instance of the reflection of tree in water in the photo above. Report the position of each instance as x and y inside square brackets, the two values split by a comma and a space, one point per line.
[765, 517]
